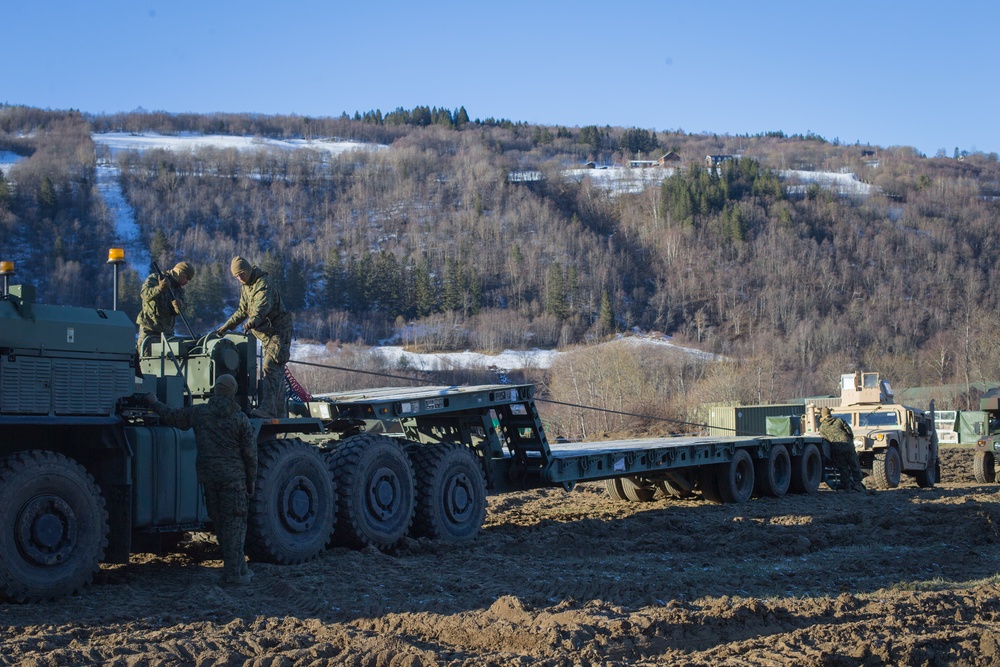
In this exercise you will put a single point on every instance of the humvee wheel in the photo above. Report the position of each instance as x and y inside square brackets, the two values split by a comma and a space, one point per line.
[451, 492]
[807, 470]
[54, 523]
[984, 467]
[887, 468]
[929, 477]
[376, 491]
[736, 479]
[293, 510]
[774, 474]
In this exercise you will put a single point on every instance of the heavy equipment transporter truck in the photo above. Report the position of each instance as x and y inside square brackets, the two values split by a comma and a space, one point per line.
[88, 475]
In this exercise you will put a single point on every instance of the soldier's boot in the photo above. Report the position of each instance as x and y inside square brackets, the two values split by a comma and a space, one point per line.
[857, 486]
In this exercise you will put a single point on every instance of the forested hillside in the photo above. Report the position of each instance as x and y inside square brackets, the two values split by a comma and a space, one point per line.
[430, 241]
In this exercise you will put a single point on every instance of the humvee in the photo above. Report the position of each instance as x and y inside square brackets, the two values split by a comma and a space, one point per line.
[890, 438]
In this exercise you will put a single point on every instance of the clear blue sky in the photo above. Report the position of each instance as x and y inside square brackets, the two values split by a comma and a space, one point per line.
[919, 73]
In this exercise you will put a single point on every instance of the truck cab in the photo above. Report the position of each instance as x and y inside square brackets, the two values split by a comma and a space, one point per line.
[889, 438]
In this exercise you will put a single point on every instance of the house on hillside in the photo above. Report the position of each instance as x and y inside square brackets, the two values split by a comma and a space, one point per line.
[664, 160]
[718, 160]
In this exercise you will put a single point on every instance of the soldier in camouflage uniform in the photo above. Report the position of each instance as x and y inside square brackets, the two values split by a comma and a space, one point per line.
[266, 318]
[841, 438]
[227, 468]
[160, 307]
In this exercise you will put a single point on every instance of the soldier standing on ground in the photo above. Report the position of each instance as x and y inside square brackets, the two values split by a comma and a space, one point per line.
[266, 318]
[227, 468]
[161, 304]
[841, 438]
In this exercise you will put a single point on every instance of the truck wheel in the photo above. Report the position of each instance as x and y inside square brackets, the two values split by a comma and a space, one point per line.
[774, 474]
[736, 480]
[929, 477]
[708, 482]
[293, 510]
[887, 468]
[451, 492]
[984, 467]
[376, 491]
[55, 525]
[807, 470]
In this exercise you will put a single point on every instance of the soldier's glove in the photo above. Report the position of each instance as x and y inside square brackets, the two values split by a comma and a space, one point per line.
[247, 328]
[221, 331]
[178, 305]
[163, 284]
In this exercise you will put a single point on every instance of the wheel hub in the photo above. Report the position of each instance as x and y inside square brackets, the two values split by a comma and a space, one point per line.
[458, 499]
[46, 530]
[383, 493]
[298, 508]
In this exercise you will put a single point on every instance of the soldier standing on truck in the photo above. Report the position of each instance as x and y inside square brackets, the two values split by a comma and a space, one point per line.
[226, 463]
[841, 438]
[161, 304]
[266, 318]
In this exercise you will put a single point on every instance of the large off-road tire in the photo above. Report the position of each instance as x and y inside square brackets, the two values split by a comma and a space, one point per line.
[984, 467]
[293, 511]
[774, 474]
[451, 492]
[376, 491]
[887, 468]
[926, 479]
[807, 470]
[53, 526]
[736, 478]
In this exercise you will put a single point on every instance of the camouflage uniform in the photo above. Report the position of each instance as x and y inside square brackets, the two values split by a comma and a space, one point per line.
[227, 469]
[158, 313]
[844, 458]
[267, 319]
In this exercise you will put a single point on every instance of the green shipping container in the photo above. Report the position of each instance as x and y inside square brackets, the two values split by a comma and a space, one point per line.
[750, 420]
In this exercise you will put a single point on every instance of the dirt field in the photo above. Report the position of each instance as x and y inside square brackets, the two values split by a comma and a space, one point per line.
[902, 577]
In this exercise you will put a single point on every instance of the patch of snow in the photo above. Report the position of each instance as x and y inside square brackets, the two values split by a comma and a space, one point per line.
[8, 160]
[117, 142]
[842, 183]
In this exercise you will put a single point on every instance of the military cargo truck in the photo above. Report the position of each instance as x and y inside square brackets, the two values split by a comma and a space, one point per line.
[988, 444]
[88, 475]
[889, 438]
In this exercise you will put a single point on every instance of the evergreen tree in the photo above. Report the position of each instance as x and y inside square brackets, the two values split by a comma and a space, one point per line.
[461, 118]
[47, 200]
[555, 292]
[334, 281]
[296, 289]
[161, 250]
[606, 318]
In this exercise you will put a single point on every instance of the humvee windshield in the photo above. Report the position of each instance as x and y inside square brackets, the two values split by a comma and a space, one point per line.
[879, 419]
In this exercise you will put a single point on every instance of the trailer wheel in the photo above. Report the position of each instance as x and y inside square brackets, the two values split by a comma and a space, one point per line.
[807, 470]
[984, 467]
[292, 513]
[451, 492]
[376, 491]
[774, 474]
[638, 490]
[736, 479]
[708, 483]
[54, 523]
[678, 484]
[615, 489]
[928, 477]
[887, 468]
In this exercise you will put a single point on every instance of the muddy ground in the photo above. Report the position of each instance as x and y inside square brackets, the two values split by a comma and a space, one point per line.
[901, 577]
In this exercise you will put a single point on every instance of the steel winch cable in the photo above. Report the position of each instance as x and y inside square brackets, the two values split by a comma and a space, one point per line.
[540, 400]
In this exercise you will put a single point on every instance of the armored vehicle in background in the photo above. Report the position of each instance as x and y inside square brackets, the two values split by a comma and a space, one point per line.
[988, 445]
[890, 438]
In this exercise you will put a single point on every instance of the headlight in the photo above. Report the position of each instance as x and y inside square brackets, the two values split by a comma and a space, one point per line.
[859, 441]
